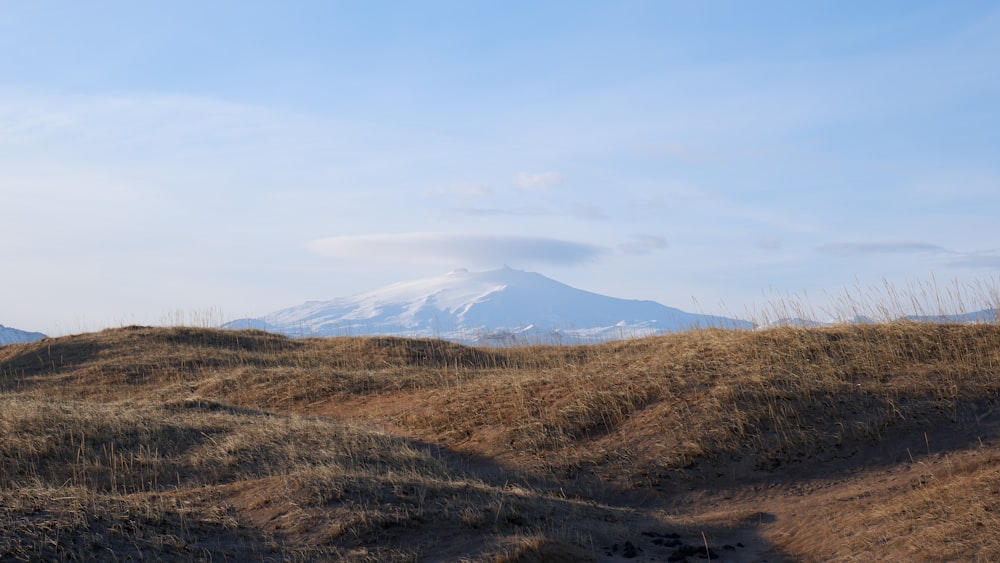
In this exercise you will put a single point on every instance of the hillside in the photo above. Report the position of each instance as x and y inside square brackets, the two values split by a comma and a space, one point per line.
[855, 443]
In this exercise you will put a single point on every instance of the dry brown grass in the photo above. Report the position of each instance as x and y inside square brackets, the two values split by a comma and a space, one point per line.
[183, 443]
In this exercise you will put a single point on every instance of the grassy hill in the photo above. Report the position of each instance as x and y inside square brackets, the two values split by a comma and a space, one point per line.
[869, 442]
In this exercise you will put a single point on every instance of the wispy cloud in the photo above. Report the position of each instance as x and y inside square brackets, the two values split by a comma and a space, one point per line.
[989, 261]
[463, 191]
[642, 244]
[497, 211]
[457, 249]
[856, 248]
[540, 182]
[587, 211]
[769, 242]
[675, 151]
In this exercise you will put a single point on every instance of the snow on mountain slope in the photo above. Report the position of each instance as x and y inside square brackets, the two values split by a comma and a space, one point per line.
[468, 306]
[12, 335]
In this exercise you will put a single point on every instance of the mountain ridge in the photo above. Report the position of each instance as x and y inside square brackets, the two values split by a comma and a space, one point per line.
[10, 335]
[989, 316]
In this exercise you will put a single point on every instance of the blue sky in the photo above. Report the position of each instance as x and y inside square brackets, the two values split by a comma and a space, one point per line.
[174, 158]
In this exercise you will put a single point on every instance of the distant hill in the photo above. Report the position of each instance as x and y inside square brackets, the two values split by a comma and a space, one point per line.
[500, 306]
[12, 335]
[983, 316]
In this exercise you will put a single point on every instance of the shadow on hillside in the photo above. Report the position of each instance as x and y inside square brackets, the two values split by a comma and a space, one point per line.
[969, 426]
[256, 341]
[432, 353]
[111, 532]
[615, 527]
[46, 357]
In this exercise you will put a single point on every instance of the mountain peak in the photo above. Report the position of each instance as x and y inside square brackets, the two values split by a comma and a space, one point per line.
[476, 307]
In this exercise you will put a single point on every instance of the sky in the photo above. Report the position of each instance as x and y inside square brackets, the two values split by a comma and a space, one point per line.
[186, 162]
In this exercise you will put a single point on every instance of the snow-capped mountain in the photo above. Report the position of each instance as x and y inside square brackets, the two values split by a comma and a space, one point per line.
[12, 335]
[504, 306]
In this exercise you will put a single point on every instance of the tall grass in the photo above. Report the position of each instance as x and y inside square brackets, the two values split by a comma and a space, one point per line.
[884, 303]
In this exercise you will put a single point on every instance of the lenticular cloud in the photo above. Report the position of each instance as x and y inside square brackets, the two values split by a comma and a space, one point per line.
[457, 249]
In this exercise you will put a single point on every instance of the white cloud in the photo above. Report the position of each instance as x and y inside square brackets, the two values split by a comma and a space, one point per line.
[989, 260]
[855, 248]
[540, 182]
[463, 191]
[496, 211]
[456, 249]
[642, 244]
[585, 211]
[769, 242]
[678, 152]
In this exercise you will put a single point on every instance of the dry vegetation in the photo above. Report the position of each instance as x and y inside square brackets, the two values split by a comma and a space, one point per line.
[866, 442]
